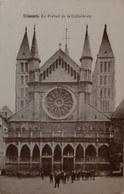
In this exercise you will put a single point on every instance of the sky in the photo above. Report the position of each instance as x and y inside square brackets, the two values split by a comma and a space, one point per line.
[50, 31]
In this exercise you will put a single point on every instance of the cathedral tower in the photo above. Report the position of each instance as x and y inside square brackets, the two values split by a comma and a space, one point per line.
[104, 77]
[22, 73]
[85, 77]
[85, 71]
[34, 82]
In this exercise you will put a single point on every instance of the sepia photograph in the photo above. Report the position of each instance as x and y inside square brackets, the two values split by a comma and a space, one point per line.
[62, 96]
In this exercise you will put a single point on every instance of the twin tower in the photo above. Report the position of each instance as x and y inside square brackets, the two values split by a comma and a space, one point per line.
[100, 85]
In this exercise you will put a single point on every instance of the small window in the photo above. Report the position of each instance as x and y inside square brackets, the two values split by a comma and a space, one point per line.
[22, 92]
[26, 67]
[22, 67]
[104, 80]
[75, 75]
[109, 66]
[101, 66]
[109, 92]
[22, 79]
[26, 79]
[85, 75]
[100, 80]
[105, 66]
[104, 92]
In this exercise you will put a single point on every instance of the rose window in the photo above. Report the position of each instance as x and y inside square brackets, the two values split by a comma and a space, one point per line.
[59, 103]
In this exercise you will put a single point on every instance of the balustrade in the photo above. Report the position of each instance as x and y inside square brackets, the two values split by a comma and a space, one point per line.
[57, 134]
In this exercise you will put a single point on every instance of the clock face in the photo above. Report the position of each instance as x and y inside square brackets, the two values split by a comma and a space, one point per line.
[59, 103]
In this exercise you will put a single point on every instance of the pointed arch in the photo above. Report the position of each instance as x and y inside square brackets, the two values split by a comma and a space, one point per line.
[12, 153]
[79, 153]
[36, 154]
[47, 151]
[103, 152]
[57, 153]
[68, 150]
[90, 153]
[25, 153]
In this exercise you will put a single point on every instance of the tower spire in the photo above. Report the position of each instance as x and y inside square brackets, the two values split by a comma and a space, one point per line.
[105, 47]
[34, 47]
[86, 53]
[24, 51]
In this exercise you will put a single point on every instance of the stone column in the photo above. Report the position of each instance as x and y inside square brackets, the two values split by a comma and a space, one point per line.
[40, 157]
[97, 156]
[31, 150]
[84, 158]
[74, 158]
[62, 157]
[18, 162]
[53, 154]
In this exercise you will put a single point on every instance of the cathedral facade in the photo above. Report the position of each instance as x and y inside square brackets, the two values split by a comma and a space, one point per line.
[63, 112]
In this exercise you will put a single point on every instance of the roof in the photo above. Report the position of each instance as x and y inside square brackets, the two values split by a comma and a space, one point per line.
[34, 48]
[64, 56]
[25, 114]
[6, 109]
[24, 51]
[94, 114]
[119, 112]
[86, 48]
[105, 50]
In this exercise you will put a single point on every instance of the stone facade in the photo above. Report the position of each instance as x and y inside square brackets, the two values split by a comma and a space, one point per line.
[58, 128]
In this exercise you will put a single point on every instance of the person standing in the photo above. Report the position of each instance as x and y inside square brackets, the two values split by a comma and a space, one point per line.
[51, 177]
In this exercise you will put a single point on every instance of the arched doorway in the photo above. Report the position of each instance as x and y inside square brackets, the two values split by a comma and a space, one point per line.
[68, 160]
[103, 153]
[79, 153]
[90, 153]
[47, 159]
[57, 158]
[11, 153]
[57, 154]
[25, 154]
[36, 154]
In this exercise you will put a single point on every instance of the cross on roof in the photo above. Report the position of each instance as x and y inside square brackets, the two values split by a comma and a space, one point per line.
[66, 36]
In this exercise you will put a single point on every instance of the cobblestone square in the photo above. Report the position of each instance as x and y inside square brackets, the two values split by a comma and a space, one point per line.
[101, 185]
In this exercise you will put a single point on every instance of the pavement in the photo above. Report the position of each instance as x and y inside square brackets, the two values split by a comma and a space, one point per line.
[101, 185]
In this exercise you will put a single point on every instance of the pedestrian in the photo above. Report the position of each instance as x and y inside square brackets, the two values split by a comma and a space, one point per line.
[51, 177]
[90, 174]
[19, 175]
[72, 177]
[93, 174]
[64, 178]
[42, 174]
[57, 181]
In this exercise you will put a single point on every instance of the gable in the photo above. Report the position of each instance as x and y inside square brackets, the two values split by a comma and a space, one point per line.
[25, 114]
[59, 68]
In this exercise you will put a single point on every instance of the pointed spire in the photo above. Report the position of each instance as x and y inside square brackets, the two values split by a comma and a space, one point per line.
[86, 53]
[105, 48]
[34, 47]
[24, 51]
